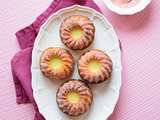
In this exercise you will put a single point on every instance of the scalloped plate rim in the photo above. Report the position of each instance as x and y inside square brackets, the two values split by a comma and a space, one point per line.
[45, 25]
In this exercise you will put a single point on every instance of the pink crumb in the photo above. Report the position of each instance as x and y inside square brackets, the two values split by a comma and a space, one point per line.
[125, 3]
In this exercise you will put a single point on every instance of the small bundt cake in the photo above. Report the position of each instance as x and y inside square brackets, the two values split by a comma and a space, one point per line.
[95, 66]
[77, 32]
[56, 63]
[74, 97]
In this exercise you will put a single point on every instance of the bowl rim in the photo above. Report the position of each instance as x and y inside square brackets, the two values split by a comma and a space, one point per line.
[127, 11]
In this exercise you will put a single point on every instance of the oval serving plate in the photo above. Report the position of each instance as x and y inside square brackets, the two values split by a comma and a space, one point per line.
[105, 94]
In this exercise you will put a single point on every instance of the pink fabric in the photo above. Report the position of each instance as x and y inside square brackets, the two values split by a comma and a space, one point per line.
[140, 39]
[21, 63]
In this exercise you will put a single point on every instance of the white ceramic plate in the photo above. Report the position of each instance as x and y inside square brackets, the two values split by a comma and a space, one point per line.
[126, 10]
[105, 94]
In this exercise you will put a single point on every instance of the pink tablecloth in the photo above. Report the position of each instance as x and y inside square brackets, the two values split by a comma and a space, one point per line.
[140, 38]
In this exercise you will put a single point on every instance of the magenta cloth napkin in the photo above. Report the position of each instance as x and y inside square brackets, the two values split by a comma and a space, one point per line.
[21, 62]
